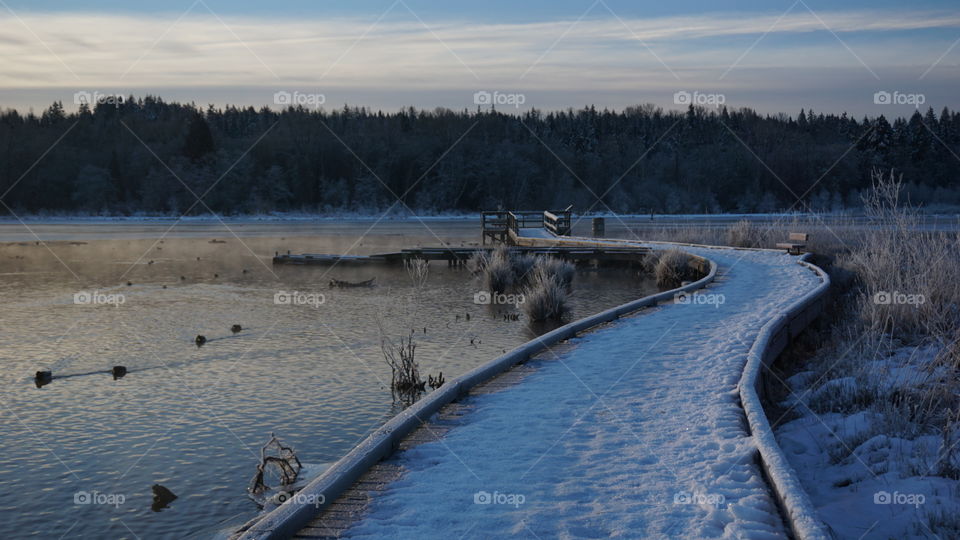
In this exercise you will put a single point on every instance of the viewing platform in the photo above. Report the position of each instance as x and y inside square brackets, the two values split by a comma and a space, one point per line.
[533, 233]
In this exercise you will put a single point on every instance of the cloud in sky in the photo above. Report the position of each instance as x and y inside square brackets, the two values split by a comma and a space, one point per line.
[601, 59]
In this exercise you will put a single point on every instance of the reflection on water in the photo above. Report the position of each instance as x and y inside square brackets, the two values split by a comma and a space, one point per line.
[305, 363]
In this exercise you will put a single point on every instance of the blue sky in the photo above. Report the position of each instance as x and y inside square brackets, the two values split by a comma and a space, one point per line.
[772, 56]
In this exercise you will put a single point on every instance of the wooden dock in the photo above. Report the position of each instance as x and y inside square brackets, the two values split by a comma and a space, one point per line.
[457, 256]
[505, 226]
[533, 233]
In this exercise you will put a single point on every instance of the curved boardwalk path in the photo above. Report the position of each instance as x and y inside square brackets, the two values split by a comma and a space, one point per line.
[634, 431]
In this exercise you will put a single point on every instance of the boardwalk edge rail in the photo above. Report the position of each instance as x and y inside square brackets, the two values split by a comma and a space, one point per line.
[287, 519]
[773, 338]
[794, 502]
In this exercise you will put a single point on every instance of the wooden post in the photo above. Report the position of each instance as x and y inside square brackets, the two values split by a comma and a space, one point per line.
[599, 227]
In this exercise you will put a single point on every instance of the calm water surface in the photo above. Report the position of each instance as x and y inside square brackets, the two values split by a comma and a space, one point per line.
[193, 419]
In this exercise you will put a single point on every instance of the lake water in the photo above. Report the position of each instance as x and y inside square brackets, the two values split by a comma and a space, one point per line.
[193, 419]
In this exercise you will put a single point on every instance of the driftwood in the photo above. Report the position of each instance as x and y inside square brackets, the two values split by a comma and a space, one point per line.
[349, 284]
[285, 462]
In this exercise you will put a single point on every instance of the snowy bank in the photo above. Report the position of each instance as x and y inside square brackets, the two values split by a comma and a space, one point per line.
[868, 474]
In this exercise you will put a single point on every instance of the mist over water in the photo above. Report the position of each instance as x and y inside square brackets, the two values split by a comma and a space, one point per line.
[193, 418]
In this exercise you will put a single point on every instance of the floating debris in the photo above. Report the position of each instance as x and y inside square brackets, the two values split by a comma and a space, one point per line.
[162, 497]
[348, 284]
[118, 372]
[236, 328]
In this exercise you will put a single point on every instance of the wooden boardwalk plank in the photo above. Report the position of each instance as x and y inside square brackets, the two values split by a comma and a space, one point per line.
[352, 505]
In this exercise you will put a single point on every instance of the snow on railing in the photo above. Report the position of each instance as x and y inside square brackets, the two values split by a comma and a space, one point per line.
[775, 335]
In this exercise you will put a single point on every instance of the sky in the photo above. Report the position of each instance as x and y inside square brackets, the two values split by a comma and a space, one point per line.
[864, 58]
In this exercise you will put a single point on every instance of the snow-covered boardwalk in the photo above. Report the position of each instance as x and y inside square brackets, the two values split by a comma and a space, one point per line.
[634, 432]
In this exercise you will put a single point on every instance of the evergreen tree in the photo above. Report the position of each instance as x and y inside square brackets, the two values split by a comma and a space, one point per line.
[199, 141]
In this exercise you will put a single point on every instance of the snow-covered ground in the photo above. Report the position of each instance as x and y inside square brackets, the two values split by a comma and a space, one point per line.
[636, 432]
[869, 478]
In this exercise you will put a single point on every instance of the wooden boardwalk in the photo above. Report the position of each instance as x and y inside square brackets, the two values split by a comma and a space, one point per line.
[351, 507]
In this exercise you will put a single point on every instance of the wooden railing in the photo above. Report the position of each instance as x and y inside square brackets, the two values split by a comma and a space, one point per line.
[525, 220]
[557, 222]
[497, 224]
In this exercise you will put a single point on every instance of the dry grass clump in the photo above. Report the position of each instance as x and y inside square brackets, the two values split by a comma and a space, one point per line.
[673, 267]
[909, 293]
[910, 276]
[477, 263]
[559, 270]
[545, 297]
[498, 272]
[522, 268]
[503, 269]
[544, 281]
[743, 234]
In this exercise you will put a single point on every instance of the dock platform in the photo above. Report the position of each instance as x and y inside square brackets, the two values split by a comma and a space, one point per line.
[457, 256]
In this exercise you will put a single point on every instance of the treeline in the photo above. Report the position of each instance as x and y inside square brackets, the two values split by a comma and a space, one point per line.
[145, 155]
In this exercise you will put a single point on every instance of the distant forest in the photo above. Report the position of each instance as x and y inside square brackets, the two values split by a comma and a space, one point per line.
[126, 158]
